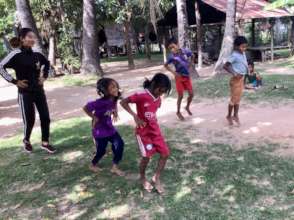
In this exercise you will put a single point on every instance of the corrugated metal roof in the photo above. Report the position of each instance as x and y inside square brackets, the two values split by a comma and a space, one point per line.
[248, 9]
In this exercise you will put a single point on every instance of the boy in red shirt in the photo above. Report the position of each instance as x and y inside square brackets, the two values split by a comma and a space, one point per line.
[148, 134]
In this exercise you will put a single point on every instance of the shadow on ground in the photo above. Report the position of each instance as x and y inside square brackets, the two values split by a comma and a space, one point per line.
[202, 181]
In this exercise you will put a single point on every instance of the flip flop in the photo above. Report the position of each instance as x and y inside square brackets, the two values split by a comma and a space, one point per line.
[160, 190]
[147, 186]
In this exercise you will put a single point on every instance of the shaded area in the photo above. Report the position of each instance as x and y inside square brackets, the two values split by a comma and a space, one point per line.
[202, 181]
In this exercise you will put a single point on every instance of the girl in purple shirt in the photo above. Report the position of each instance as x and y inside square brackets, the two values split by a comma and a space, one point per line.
[103, 111]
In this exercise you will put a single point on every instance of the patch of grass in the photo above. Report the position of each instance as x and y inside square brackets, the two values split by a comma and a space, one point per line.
[74, 80]
[219, 88]
[211, 182]
[288, 63]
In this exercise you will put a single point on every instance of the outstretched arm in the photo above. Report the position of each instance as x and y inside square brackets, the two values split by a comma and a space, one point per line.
[167, 67]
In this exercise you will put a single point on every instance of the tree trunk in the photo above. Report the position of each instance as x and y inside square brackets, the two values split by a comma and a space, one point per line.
[292, 36]
[147, 43]
[182, 23]
[6, 43]
[52, 50]
[228, 39]
[199, 34]
[127, 26]
[90, 52]
[27, 20]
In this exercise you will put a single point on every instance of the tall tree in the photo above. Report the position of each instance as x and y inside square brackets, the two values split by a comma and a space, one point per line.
[125, 18]
[199, 34]
[182, 22]
[25, 16]
[90, 54]
[228, 39]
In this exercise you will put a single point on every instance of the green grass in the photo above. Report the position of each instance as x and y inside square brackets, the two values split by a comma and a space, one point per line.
[209, 182]
[219, 88]
[288, 63]
[75, 80]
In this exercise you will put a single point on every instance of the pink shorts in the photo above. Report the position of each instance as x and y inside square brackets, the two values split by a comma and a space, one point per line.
[150, 145]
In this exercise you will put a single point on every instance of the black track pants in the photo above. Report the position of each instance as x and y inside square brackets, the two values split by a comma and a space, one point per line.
[27, 102]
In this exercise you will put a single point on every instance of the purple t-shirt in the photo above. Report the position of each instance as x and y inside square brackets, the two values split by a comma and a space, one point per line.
[103, 110]
[180, 61]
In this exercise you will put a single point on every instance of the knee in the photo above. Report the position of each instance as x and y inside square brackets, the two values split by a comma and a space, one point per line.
[191, 95]
[45, 119]
[180, 96]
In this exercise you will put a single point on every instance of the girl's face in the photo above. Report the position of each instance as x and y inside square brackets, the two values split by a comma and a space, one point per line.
[113, 89]
[242, 48]
[159, 92]
[29, 40]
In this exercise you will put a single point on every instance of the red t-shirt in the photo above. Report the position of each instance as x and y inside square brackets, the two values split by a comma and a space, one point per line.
[147, 106]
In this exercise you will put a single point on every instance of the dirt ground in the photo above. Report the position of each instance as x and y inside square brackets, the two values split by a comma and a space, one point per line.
[260, 122]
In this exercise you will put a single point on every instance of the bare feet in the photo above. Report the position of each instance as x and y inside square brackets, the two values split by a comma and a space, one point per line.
[180, 116]
[159, 188]
[94, 168]
[117, 171]
[147, 186]
[230, 121]
[188, 110]
[237, 120]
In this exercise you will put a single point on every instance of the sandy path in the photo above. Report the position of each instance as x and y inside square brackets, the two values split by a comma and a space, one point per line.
[261, 122]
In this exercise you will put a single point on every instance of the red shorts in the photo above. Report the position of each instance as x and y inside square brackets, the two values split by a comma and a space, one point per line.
[151, 144]
[183, 83]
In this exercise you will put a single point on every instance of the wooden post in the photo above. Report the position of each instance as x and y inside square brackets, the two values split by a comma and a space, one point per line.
[253, 32]
[272, 22]
[199, 35]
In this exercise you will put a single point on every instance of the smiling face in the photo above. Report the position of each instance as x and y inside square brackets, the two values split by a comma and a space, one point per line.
[113, 89]
[242, 48]
[29, 40]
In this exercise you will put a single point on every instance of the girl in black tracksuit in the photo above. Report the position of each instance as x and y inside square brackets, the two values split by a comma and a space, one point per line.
[31, 69]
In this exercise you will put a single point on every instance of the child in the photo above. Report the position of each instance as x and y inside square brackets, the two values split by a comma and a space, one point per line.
[236, 65]
[181, 59]
[149, 137]
[101, 111]
[252, 80]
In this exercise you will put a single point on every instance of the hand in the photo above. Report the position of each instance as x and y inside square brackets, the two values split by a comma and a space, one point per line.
[41, 80]
[115, 117]
[95, 121]
[139, 122]
[22, 84]
[176, 74]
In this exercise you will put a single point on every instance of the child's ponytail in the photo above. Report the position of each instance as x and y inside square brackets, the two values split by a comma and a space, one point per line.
[147, 83]
[15, 42]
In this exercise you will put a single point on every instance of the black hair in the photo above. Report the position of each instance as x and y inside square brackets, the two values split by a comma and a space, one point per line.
[23, 32]
[15, 42]
[159, 80]
[102, 87]
[251, 63]
[171, 41]
[240, 40]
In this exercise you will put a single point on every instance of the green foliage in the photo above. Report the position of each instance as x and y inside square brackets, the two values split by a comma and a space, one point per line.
[279, 4]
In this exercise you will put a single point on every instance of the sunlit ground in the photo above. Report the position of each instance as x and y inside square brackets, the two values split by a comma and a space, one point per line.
[202, 181]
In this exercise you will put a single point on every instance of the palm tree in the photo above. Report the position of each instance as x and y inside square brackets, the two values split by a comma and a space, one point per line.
[182, 22]
[227, 44]
[90, 53]
[25, 16]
